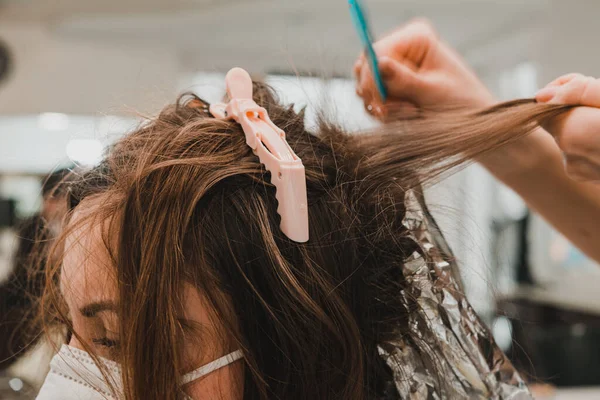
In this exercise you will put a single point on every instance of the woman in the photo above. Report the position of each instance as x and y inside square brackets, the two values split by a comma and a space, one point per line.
[173, 258]
[19, 293]
[421, 71]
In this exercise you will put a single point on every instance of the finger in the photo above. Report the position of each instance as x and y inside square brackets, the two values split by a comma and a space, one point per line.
[576, 132]
[549, 92]
[411, 43]
[571, 92]
[366, 86]
[546, 94]
[400, 80]
[358, 65]
[371, 99]
[375, 110]
[581, 90]
[564, 79]
[370, 93]
[359, 91]
[591, 93]
[356, 69]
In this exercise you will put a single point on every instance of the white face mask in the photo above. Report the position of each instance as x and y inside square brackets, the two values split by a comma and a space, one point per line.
[75, 376]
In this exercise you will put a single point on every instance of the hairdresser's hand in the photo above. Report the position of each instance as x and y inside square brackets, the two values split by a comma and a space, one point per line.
[578, 132]
[419, 71]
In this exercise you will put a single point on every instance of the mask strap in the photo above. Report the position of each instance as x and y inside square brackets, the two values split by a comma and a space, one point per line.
[212, 367]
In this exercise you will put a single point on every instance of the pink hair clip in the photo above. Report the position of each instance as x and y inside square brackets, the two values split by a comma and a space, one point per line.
[269, 144]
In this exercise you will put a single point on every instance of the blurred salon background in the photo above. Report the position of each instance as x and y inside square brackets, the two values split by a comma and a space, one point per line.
[75, 75]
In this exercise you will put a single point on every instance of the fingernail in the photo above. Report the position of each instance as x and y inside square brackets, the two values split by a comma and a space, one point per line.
[359, 92]
[546, 94]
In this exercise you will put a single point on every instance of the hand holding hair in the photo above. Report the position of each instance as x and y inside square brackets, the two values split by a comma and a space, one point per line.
[422, 73]
[577, 132]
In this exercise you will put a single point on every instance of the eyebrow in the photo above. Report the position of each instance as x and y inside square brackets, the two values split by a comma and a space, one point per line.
[90, 310]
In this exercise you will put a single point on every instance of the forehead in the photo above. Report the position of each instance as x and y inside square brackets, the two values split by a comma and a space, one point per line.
[88, 273]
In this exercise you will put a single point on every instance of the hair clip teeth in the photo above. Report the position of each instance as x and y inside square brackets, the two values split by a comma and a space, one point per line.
[269, 144]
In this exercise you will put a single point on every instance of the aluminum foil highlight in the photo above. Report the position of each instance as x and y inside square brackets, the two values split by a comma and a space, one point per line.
[451, 338]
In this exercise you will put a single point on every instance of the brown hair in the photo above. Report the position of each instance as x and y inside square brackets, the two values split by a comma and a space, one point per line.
[194, 205]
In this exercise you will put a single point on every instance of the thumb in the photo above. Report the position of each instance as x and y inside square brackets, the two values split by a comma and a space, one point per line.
[400, 81]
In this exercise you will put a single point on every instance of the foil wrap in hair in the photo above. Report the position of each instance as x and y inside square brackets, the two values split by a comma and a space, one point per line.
[449, 353]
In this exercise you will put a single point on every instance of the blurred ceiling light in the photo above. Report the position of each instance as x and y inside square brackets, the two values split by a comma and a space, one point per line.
[53, 121]
[85, 151]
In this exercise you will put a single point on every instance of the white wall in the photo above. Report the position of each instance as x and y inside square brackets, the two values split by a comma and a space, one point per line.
[51, 73]
[570, 40]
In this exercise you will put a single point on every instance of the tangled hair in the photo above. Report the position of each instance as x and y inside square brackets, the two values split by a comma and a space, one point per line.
[189, 203]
